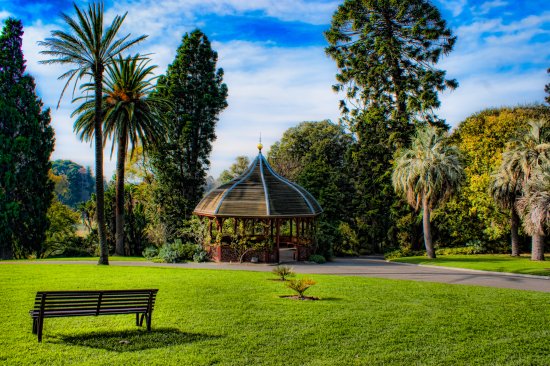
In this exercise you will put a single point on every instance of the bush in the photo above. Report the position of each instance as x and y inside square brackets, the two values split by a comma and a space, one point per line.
[456, 251]
[283, 272]
[317, 258]
[404, 252]
[171, 252]
[150, 252]
[200, 255]
[300, 285]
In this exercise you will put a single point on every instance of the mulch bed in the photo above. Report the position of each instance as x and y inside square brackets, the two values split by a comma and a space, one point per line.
[296, 297]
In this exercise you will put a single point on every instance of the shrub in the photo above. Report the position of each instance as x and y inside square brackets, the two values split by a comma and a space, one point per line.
[283, 272]
[456, 251]
[317, 258]
[171, 252]
[150, 252]
[200, 255]
[300, 285]
[404, 252]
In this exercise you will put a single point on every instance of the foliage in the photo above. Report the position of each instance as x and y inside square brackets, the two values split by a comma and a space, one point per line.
[300, 285]
[386, 54]
[349, 243]
[150, 252]
[312, 154]
[196, 89]
[473, 214]
[547, 89]
[427, 174]
[178, 252]
[133, 117]
[283, 272]
[26, 143]
[317, 258]
[88, 47]
[61, 232]
[79, 182]
[237, 168]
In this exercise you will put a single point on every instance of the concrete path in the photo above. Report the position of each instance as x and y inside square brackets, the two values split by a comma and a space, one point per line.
[365, 266]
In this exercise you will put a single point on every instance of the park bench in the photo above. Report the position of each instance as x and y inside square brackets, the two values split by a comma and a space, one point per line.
[55, 304]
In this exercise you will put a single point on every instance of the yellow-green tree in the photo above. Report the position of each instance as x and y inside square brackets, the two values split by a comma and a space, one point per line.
[473, 215]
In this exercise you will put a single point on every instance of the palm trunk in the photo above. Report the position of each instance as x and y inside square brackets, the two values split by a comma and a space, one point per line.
[537, 249]
[427, 229]
[100, 197]
[514, 223]
[119, 209]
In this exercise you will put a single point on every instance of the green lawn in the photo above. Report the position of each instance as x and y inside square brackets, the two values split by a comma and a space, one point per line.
[485, 262]
[207, 317]
[95, 259]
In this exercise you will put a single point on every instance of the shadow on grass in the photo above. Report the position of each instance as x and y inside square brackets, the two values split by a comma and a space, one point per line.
[130, 341]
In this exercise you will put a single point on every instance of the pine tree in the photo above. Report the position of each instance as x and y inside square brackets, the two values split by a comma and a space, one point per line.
[386, 52]
[26, 143]
[196, 89]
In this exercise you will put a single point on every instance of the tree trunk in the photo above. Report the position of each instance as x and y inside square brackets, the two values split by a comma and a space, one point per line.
[119, 209]
[100, 197]
[427, 229]
[537, 249]
[514, 223]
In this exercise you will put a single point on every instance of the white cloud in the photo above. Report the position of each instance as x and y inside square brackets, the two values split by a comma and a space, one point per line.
[490, 5]
[455, 6]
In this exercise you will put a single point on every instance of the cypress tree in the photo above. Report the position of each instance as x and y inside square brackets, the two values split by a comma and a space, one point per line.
[196, 89]
[26, 143]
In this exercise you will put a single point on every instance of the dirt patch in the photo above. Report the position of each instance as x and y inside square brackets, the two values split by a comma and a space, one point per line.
[296, 297]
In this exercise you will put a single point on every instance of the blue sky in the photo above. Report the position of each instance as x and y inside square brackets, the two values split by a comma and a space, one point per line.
[272, 52]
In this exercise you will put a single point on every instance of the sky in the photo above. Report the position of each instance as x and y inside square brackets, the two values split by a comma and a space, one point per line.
[272, 53]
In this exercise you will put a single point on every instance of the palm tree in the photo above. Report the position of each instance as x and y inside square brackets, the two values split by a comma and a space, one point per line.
[88, 47]
[427, 174]
[132, 118]
[506, 188]
[534, 206]
[528, 156]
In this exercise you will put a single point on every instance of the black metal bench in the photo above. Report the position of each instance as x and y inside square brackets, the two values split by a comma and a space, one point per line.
[55, 304]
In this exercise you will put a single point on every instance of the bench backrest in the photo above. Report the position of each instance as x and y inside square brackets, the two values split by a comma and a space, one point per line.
[74, 303]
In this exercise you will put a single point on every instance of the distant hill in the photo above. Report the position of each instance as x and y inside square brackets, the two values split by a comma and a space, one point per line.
[81, 183]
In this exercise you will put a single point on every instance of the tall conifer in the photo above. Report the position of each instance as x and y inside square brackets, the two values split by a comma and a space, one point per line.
[196, 89]
[26, 143]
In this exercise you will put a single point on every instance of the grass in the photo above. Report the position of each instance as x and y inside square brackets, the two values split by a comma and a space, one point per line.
[95, 259]
[207, 317]
[485, 262]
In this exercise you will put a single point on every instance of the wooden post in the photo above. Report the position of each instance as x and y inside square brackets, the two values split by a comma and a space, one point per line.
[278, 224]
[290, 230]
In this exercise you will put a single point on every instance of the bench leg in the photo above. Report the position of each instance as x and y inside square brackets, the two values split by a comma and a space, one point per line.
[34, 325]
[149, 321]
[137, 319]
[40, 327]
[141, 320]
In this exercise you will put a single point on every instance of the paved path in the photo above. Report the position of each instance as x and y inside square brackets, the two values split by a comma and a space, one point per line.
[364, 266]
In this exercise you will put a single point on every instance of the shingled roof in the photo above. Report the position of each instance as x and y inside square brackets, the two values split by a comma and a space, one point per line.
[259, 192]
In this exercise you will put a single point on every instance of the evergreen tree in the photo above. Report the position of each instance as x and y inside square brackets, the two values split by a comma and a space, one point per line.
[26, 143]
[196, 89]
[386, 52]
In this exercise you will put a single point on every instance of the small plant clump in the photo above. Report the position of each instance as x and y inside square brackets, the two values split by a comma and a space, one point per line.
[317, 258]
[283, 272]
[300, 285]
